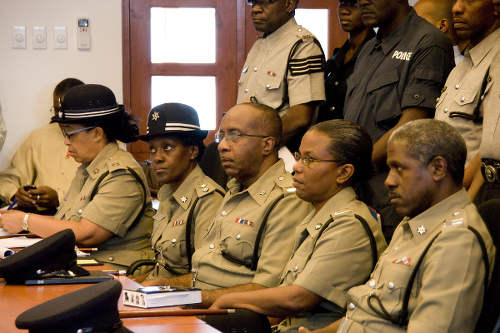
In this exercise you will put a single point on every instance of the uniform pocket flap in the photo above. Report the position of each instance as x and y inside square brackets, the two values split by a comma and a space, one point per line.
[388, 78]
[466, 97]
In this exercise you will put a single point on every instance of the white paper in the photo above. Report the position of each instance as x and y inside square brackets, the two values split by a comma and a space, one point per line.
[4, 252]
[4, 233]
[20, 242]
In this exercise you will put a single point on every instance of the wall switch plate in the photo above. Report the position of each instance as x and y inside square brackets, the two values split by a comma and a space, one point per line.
[39, 37]
[19, 37]
[60, 38]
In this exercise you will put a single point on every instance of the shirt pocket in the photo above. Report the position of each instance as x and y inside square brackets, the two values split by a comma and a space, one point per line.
[463, 105]
[271, 81]
[292, 270]
[237, 244]
[384, 99]
[172, 246]
[392, 287]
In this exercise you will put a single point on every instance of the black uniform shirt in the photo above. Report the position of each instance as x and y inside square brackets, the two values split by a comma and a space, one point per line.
[406, 69]
[336, 74]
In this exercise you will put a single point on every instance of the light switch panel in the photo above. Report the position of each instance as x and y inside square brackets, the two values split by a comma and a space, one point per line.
[39, 37]
[60, 38]
[19, 37]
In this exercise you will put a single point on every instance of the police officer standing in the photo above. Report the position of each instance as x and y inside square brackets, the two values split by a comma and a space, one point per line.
[341, 65]
[468, 101]
[397, 78]
[284, 68]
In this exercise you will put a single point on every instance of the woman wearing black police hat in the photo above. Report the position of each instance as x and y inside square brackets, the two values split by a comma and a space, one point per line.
[188, 198]
[107, 205]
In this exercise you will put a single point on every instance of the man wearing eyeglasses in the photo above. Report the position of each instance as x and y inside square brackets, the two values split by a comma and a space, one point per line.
[284, 68]
[251, 236]
[40, 171]
[396, 79]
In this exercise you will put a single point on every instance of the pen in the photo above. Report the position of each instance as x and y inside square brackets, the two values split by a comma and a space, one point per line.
[88, 249]
[12, 204]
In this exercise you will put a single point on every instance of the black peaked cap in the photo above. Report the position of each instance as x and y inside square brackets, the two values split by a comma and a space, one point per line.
[87, 101]
[50, 254]
[173, 119]
[92, 309]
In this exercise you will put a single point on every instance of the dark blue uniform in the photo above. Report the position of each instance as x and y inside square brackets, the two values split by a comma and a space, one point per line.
[406, 69]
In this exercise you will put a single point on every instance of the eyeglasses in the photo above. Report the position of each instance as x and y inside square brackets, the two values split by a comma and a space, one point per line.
[349, 3]
[234, 135]
[260, 2]
[71, 133]
[306, 160]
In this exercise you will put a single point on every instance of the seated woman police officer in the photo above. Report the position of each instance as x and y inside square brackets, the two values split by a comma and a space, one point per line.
[337, 245]
[188, 198]
[107, 205]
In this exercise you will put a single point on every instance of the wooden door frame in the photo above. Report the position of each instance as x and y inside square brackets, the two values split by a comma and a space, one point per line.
[241, 40]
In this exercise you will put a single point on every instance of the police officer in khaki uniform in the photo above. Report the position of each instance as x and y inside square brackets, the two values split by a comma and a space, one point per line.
[42, 161]
[188, 198]
[251, 237]
[438, 242]
[336, 245]
[108, 204]
[490, 141]
[465, 95]
[284, 68]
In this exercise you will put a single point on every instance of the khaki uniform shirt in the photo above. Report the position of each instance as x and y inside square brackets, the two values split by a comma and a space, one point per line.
[490, 141]
[448, 290]
[41, 160]
[330, 263]
[195, 201]
[263, 74]
[461, 92]
[235, 227]
[115, 206]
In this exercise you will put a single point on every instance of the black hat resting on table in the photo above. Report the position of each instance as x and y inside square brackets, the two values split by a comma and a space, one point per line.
[92, 309]
[173, 119]
[53, 253]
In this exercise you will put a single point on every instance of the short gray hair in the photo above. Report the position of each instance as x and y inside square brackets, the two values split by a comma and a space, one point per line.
[428, 138]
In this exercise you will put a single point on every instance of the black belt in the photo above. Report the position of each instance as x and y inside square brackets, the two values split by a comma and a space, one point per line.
[491, 170]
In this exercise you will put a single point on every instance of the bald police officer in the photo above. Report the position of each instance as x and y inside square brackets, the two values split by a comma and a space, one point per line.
[284, 68]
[251, 236]
[438, 243]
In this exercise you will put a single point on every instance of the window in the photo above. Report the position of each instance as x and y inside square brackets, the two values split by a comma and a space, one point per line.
[192, 52]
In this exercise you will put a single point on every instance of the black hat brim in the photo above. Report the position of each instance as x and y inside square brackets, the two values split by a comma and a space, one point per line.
[201, 134]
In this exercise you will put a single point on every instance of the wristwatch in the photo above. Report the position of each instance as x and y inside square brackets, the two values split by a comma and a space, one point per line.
[25, 225]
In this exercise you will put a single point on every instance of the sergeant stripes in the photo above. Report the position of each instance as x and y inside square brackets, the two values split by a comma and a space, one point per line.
[312, 64]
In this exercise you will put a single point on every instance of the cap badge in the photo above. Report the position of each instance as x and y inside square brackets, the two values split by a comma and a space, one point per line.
[155, 116]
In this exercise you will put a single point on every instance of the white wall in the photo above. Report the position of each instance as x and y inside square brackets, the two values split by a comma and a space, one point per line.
[28, 76]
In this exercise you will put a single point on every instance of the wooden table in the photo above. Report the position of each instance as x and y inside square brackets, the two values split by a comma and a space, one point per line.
[16, 299]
